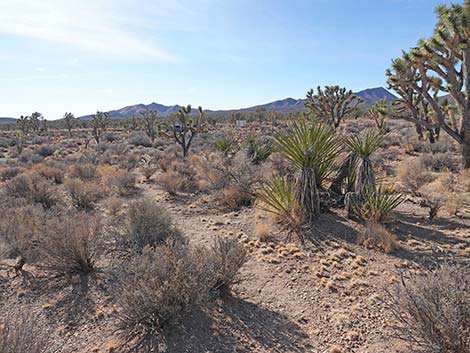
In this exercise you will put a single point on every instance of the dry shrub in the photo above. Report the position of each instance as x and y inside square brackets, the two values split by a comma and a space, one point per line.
[124, 182]
[22, 333]
[139, 138]
[148, 224]
[163, 284]
[413, 175]
[157, 289]
[433, 311]
[20, 227]
[114, 206]
[51, 173]
[374, 235]
[438, 162]
[234, 178]
[83, 194]
[148, 171]
[85, 172]
[235, 197]
[8, 173]
[33, 188]
[172, 182]
[69, 244]
[226, 256]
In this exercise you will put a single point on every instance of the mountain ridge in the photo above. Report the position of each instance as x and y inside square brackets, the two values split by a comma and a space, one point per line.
[369, 97]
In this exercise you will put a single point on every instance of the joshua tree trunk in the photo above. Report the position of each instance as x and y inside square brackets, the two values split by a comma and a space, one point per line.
[342, 174]
[307, 193]
[365, 176]
[466, 150]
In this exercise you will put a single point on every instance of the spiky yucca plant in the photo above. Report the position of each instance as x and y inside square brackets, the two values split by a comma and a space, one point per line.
[312, 148]
[279, 198]
[226, 145]
[313, 145]
[363, 147]
[377, 204]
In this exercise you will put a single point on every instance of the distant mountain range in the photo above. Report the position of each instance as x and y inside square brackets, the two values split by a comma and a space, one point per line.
[7, 120]
[369, 97]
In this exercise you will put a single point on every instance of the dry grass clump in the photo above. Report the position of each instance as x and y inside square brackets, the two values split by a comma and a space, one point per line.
[69, 244]
[148, 224]
[374, 235]
[171, 181]
[21, 333]
[234, 197]
[433, 311]
[83, 194]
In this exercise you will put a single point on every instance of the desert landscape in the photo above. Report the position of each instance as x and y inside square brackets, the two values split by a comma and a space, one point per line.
[335, 223]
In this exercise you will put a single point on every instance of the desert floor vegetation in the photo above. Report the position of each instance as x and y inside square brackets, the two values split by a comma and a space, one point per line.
[142, 248]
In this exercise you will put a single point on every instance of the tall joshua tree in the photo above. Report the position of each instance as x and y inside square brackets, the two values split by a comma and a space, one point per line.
[69, 121]
[149, 117]
[444, 56]
[99, 123]
[332, 104]
[186, 127]
[411, 104]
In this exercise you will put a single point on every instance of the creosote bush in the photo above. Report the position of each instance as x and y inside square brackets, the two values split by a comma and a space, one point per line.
[34, 188]
[124, 182]
[163, 284]
[433, 311]
[148, 224]
[83, 194]
[226, 256]
[69, 244]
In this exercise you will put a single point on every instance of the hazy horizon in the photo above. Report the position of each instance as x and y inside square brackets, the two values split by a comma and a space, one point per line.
[83, 56]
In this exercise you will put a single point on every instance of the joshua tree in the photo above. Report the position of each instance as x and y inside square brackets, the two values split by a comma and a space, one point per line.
[35, 121]
[444, 56]
[332, 104]
[149, 117]
[69, 121]
[98, 124]
[378, 113]
[185, 127]
[411, 104]
[23, 125]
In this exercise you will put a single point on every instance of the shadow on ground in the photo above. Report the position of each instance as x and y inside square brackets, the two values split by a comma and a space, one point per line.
[235, 325]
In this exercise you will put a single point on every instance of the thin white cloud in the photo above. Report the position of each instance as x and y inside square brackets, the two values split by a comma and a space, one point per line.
[94, 25]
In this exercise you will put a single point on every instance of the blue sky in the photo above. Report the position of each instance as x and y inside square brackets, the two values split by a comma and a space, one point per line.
[88, 55]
